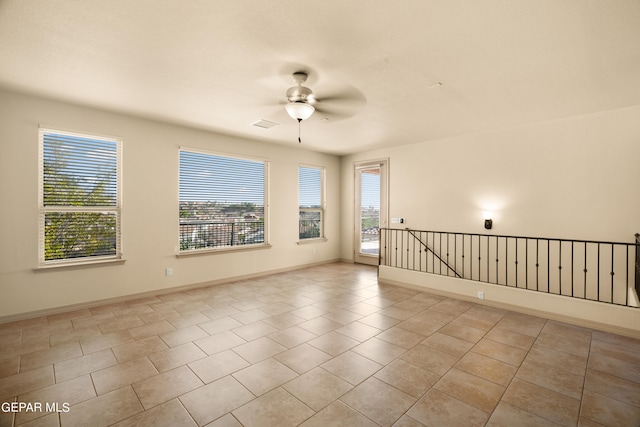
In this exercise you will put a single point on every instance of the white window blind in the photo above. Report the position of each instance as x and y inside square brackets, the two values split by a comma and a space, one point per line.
[311, 202]
[79, 197]
[222, 201]
[370, 209]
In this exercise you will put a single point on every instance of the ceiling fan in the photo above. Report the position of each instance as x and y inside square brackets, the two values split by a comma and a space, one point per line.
[300, 98]
[302, 102]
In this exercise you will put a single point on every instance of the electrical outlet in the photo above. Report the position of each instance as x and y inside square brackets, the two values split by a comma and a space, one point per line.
[168, 272]
[480, 295]
[314, 251]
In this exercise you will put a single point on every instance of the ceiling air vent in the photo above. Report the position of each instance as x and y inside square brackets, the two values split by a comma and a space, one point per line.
[266, 124]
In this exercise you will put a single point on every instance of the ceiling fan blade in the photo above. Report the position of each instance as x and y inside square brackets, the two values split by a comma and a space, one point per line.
[332, 100]
[347, 97]
[339, 104]
[332, 114]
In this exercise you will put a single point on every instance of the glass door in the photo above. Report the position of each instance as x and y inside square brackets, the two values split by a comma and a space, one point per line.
[370, 209]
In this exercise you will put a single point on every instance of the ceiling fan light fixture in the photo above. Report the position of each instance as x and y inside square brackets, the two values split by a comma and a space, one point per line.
[299, 110]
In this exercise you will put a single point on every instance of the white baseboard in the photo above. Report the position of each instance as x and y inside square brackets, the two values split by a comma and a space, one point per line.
[135, 296]
[605, 317]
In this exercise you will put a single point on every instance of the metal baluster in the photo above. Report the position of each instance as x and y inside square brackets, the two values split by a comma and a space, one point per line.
[471, 256]
[537, 264]
[506, 261]
[497, 258]
[526, 264]
[612, 271]
[548, 266]
[463, 239]
[585, 270]
[572, 267]
[560, 266]
[455, 252]
[598, 271]
[516, 262]
[488, 260]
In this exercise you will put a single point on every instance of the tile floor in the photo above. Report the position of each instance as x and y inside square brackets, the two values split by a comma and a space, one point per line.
[321, 346]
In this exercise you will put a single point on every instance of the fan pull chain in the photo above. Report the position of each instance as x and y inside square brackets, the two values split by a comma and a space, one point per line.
[299, 140]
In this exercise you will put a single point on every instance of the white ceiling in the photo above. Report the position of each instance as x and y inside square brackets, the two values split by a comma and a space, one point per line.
[424, 69]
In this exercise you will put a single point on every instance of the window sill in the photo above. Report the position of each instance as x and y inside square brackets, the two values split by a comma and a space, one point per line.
[197, 252]
[72, 265]
[314, 240]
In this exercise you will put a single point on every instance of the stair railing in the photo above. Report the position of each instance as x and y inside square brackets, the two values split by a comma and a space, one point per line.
[588, 269]
[426, 247]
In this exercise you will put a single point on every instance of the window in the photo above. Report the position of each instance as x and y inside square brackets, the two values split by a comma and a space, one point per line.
[311, 202]
[79, 197]
[223, 201]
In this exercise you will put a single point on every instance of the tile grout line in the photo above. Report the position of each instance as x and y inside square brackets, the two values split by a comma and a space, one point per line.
[515, 375]
[332, 308]
[584, 381]
[448, 370]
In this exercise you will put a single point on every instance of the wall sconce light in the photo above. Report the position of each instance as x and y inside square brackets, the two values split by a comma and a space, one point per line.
[488, 222]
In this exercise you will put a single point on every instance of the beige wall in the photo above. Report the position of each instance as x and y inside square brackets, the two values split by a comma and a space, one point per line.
[573, 178]
[577, 178]
[150, 208]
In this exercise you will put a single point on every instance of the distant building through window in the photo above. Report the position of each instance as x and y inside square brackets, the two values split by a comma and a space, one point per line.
[311, 202]
[223, 201]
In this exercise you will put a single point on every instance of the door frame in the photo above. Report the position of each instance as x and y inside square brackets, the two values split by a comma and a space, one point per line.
[383, 164]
